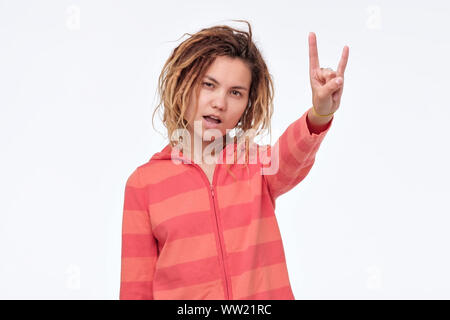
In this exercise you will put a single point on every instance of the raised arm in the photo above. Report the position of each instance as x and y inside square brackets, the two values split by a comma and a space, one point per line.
[293, 155]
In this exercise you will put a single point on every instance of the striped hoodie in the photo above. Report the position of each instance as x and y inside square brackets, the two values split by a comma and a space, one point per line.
[184, 238]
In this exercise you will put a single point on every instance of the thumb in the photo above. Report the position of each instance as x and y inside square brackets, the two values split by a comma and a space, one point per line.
[333, 85]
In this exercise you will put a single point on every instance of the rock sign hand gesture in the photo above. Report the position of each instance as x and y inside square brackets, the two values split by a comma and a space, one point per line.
[327, 85]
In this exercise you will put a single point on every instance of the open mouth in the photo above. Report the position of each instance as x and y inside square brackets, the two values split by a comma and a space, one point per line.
[212, 120]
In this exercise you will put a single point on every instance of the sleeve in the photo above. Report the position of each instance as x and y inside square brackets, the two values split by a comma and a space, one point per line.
[292, 156]
[139, 247]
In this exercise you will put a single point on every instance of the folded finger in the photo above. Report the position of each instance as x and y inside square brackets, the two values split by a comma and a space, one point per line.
[326, 74]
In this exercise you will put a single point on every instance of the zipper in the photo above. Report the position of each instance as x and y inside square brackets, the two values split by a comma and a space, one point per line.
[213, 197]
[211, 187]
[227, 297]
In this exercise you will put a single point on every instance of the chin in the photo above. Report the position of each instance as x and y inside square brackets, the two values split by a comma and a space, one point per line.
[210, 138]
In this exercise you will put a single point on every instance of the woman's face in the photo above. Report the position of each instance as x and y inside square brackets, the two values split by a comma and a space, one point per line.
[224, 92]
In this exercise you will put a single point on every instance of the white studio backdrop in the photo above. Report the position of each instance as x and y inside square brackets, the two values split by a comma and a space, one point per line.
[77, 91]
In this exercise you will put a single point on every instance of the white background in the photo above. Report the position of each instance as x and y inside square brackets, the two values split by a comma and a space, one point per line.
[77, 91]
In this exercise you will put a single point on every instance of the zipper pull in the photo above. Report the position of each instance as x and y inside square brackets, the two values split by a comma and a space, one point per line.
[212, 190]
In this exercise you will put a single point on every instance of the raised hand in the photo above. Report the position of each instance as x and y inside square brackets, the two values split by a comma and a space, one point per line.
[327, 85]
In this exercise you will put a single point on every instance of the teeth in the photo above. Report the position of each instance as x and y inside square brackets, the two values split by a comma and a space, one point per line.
[215, 118]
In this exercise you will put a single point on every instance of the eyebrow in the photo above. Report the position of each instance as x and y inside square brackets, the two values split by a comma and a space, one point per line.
[217, 82]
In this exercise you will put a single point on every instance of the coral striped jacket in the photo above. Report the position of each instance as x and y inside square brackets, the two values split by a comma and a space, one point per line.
[184, 238]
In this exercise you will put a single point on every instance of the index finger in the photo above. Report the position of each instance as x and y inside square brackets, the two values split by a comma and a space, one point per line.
[343, 62]
[313, 56]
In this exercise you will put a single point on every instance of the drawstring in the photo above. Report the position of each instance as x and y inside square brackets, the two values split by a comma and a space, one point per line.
[246, 159]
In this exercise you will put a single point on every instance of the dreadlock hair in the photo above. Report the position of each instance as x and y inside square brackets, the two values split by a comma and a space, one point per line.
[187, 65]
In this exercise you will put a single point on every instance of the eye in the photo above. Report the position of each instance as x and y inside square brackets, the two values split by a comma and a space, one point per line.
[210, 85]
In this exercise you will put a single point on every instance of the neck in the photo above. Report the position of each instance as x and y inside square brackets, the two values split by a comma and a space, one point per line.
[197, 153]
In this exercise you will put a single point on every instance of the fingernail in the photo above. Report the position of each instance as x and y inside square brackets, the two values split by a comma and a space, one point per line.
[338, 80]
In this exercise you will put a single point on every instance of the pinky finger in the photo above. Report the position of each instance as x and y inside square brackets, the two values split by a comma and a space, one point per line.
[337, 95]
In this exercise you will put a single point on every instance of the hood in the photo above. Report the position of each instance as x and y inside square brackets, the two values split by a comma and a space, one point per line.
[164, 154]
[237, 148]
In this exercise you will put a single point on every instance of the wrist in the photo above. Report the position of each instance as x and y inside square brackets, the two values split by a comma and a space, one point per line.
[317, 120]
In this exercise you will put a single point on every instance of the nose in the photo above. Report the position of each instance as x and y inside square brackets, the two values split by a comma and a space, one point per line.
[220, 101]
